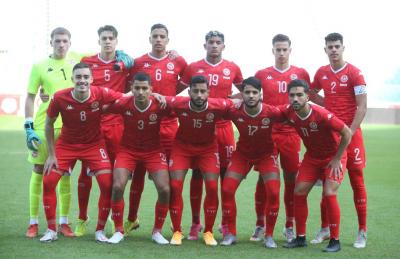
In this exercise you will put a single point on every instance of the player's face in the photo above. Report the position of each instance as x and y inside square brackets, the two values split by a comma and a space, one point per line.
[214, 47]
[334, 50]
[108, 42]
[60, 44]
[141, 90]
[82, 78]
[281, 51]
[199, 94]
[251, 96]
[298, 98]
[159, 40]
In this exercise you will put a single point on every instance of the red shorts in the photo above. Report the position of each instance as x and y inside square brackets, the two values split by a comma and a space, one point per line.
[112, 136]
[94, 156]
[312, 169]
[288, 146]
[241, 164]
[153, 161]
[356, 152]
[203, 157]
[168, 131]
[226, 143]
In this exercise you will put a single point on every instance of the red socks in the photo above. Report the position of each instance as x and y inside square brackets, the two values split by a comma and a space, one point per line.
[300, 214]
[50, 198]
[272, 205]
[359, 196]
[136, 190]
[176, 204]
[259, 200]
[210, 204]
[229, 187]
[333, 211]
[105, 185]
[289, 204]
[196, 193]
[118, 215]
[161, 211]
[84, 187]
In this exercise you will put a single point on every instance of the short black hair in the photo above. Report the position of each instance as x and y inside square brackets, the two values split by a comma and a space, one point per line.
[60, 30]
[108, 28]
[199, 79]
[81, 65]
[158, 26]
[253, 81]
[141, 76]
[299, 83]
[334, 36]
[215, 34]
[281, 38]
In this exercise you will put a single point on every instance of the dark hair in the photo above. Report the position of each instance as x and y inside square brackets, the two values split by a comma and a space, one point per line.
[81, 65]
[60, 30]
[299, 83]
[141, 76]
[158, 26]
[108, 28]
[253, 81]
[215, 34]
[334, 37]
[281, 38]
[199, 79]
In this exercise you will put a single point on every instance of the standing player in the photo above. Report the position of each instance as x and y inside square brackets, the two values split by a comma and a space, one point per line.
[110, 73]
[346, 96]
[325, 158]
[50, 75]
[221, 74]
[254, 122]
[274, 81]
[165, 72]
[196, 145]
[80, 138]
[140, 145]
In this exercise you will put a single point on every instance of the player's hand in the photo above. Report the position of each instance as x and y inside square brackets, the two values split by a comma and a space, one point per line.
[336, 170]
[43, 96]
[51, 163]
[32, 139]
[161, 99]
[173, 54]
[121, 56]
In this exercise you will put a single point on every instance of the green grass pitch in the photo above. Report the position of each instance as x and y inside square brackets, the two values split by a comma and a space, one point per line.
[381, 174]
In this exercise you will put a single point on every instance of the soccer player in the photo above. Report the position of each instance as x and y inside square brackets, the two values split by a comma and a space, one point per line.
[221, 74]
[254, 122]
[49, 75]
[165, 70]
[80, 108]
[346, 96]
[108, 72]
[325, 158]
[196, 146]
[140, 145]
[274, 81]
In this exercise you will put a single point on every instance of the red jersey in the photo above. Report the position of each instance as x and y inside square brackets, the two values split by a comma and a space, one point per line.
[319, 130]
[220, 76]
[81, 120]
[198, 128]
[274, 83]
[104, 75]
[339, 89]
[255, 140]
[142, 127]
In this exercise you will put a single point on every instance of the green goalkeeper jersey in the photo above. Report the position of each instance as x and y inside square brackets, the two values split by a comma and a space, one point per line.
[52, 75]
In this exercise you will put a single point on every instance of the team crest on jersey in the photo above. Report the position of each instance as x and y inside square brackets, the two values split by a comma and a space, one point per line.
[69, 107]
[313, 125]
[344, 78]
[266, 121]
[210, 116]
[146, 65]
[170, 66]
[153, 117]
[95, 105]
[293, 77]
[226, 72]
[200, 70]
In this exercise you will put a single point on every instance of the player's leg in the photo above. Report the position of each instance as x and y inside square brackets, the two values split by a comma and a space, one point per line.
[268, 168]
[35, 191]
[104, 179]
[355, 165]
[84, 187]
[309, 172]
[259, 205]
[324, 233]
[196, 194]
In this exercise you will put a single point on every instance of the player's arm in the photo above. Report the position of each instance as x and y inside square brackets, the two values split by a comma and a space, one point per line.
[315, 97]
[180, 87]
[361, 101]
[51, 161]
[335, 164]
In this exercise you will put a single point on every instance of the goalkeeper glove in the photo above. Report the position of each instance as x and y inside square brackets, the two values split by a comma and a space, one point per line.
[32, 139]
[123, 60]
